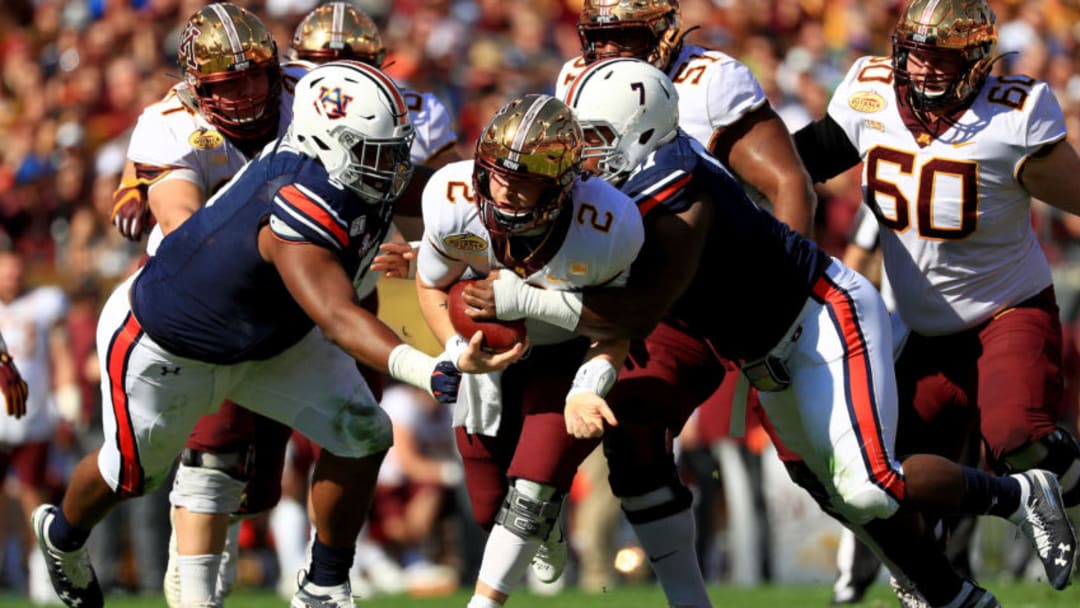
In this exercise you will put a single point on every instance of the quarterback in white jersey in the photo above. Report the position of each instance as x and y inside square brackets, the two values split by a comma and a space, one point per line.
[524, 207]
[721, 104]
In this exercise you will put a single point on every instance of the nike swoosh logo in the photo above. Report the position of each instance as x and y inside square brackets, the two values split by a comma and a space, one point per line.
[662, 556]
[963, 143]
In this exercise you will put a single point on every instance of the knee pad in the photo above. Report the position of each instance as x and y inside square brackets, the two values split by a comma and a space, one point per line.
[853, 503]
[864, 501]
[528, 517]
[209, 483]
[1057, 452]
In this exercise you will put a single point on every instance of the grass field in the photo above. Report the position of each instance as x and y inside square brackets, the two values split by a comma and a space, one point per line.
[1012, 595]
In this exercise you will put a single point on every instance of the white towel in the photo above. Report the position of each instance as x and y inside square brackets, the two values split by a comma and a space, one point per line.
[479, 403]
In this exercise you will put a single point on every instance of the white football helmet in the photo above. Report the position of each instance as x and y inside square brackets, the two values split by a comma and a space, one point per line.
[352, 117]
[627, 108]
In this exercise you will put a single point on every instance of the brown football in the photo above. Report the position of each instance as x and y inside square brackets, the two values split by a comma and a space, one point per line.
[499, 336]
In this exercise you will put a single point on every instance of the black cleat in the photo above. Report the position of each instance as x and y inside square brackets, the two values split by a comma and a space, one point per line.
[72, 575]
[1042, 518]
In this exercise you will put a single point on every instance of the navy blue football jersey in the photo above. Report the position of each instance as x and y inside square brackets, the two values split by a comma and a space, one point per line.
[755, 273]
[208, 295]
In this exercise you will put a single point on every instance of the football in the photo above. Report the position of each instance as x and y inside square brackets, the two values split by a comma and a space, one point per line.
[499, 336]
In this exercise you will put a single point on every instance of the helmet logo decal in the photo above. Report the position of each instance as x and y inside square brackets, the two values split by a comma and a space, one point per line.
[187, 46]
[334, 102]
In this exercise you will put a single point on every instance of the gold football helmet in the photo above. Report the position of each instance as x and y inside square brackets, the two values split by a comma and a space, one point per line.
[230, 63]
[647, 29]
[337, 30]
[947, 32]
[533, 138]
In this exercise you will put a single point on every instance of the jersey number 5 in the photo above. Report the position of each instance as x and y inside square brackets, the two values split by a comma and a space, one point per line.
[931, 222]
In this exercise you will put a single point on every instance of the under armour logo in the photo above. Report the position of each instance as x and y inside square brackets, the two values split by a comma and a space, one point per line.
[1064, 550]
[69, 600]
[165, 370]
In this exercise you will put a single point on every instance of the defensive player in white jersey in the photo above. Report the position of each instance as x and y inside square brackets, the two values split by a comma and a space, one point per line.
[523, 206]
[952, 157]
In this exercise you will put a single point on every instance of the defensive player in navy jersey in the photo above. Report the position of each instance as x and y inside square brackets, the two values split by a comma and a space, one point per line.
[252, 299]
[809, 333]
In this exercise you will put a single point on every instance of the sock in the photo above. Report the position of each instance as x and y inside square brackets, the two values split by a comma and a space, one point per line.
[669, 545]
[198, 578]
[329, 565]
[1016, 516]
[988, 494]
[289, 524]
[479, 601]
[506, 556]
[65, 536]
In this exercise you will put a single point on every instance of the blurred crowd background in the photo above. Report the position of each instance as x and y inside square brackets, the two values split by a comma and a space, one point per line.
[75, 74]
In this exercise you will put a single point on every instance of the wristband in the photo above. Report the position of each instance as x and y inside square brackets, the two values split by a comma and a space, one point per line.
[455, 347]
[597, 375]
[410, 365]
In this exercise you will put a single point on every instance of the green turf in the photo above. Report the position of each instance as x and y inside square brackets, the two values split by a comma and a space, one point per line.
[1012, 595]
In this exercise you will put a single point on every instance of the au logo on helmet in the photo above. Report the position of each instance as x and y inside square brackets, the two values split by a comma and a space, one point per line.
[334, 102]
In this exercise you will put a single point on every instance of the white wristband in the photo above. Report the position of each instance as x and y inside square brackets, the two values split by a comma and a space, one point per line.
[415, 246]
[597, 375]
[455, 346]
[410, 365]
[514, 299]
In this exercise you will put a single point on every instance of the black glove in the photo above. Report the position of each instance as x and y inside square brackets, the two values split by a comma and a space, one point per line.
[445, 381]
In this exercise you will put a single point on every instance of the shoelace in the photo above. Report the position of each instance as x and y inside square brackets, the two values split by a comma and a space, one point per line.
[1035, 522]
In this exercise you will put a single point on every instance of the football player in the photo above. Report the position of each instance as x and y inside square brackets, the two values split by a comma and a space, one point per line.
[275, 253]
[723, 106]
[183, 149]
[523, 206]
[338, 30]
[33, 319]
[809, 333]
[952, 157]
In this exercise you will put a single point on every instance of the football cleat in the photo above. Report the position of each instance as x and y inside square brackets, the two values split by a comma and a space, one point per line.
[550, 559]
[310, 595]
[71, 573]
[1042, 518]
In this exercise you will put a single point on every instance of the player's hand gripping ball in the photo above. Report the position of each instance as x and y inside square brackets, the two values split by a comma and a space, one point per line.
[499, 336]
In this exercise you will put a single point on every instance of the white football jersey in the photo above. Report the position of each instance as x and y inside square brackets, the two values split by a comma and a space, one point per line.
[714, 89]
[25, 323]
[957, 237]
[604, 237]
[174, 137]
